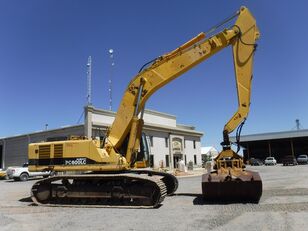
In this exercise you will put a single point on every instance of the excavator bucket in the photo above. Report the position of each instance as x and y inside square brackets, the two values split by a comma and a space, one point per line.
[232, 186]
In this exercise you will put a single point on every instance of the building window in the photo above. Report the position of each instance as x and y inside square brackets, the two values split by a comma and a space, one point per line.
[184, 143]
[185, 157]
[151, 161]
[167, 160]
[166, 142]
[195, 159]
[194, 144]
[151, 141]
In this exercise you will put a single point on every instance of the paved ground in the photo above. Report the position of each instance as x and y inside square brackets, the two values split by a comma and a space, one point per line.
[283, 206]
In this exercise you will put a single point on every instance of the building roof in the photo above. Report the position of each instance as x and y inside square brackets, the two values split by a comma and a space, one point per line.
[205, 150]
[180, 130]
[273, 135]
[43, 131]
[153, 120]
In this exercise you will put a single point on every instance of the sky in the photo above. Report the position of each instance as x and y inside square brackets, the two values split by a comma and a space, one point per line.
[44, 47]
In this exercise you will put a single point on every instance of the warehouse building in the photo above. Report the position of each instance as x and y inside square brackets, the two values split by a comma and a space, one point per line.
[169, 142]
[276, 144]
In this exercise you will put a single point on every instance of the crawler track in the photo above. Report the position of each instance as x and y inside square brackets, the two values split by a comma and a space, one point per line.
[125, 190]
[169, 180]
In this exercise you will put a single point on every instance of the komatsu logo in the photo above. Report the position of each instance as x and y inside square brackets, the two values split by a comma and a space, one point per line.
[78, 161]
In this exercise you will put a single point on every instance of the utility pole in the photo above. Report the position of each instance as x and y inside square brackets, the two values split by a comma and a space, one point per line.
[110, 78]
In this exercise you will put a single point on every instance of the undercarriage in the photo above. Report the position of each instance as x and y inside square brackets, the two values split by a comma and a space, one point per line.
[132, 189]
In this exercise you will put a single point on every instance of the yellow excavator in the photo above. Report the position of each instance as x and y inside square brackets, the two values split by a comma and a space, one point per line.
[112, 170]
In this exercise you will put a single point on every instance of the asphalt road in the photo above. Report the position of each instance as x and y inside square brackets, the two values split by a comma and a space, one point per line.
[283, 206]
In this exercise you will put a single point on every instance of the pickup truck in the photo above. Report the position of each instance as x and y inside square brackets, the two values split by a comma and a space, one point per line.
[22, 173]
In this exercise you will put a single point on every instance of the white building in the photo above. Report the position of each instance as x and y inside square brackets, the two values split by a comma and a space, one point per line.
[209, 151]
[169, 141]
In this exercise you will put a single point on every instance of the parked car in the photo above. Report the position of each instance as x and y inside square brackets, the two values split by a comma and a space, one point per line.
[288, 160]
[270, 161]
[255, 162]
[22, 173]
[302, 159]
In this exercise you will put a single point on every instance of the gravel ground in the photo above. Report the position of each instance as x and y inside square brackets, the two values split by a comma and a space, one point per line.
[283, 206]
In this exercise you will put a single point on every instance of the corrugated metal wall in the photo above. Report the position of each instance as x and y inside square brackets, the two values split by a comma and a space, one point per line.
[15, 149]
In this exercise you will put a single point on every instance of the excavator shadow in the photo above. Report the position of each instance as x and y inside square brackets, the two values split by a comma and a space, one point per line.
[26, 199]
[31, 203]
[200, 200]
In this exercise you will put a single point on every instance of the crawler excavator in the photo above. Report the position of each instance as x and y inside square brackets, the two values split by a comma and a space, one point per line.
[112, 170]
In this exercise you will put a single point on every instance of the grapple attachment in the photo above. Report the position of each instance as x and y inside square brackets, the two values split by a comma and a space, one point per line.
[230, 183]
[222, 188]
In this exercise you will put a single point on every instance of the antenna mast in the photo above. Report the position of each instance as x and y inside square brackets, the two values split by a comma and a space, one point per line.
[89, 79]
[298, 125]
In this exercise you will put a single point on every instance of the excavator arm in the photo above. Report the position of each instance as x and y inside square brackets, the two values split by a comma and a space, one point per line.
[242, 37]
[243, 50]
